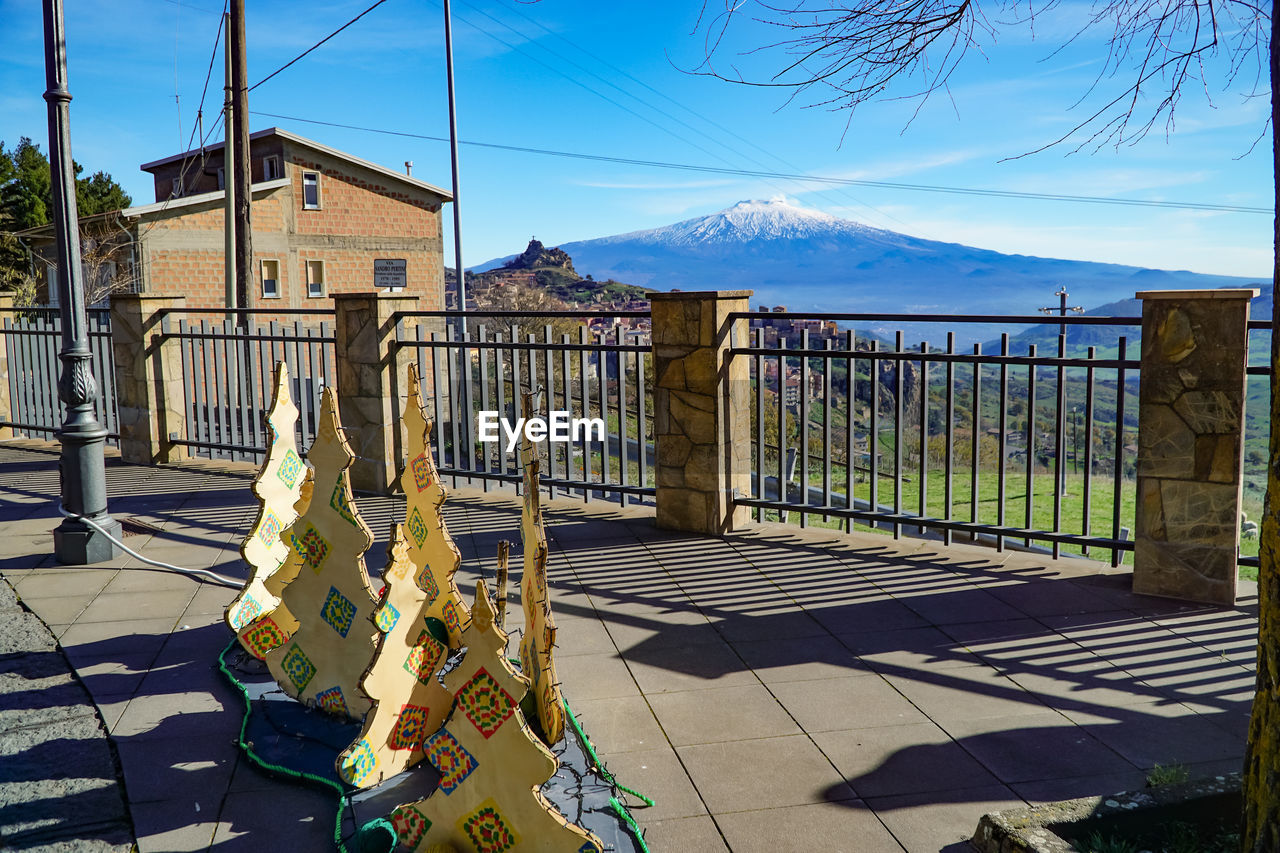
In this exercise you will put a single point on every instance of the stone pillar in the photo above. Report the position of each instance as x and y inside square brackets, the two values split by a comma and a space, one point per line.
[6, 401]
[150, 398]
[1191, 443]
[702, 420]
[371, 386]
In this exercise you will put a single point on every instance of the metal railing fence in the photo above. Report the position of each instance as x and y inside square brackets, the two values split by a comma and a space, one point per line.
[590, 365]
[228, 372]
[1027, 447]
[32, 340]
[1257, 431]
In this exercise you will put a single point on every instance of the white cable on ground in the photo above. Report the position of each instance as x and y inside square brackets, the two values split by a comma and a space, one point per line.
[213, 576]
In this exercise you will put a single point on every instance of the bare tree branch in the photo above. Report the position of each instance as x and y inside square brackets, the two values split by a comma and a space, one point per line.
[841, 55]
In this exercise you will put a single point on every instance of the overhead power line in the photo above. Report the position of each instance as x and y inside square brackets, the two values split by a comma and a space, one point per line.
[317, 44]
[820, 179]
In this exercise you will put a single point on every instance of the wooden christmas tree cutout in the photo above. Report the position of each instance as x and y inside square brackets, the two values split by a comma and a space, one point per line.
[539, 637]
[431, 548]
[409, 702]
[277, 487]
[330, 597]
[274, 628]
[491, 764]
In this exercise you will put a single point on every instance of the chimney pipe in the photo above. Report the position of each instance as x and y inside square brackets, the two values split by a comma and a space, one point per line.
[408, 168]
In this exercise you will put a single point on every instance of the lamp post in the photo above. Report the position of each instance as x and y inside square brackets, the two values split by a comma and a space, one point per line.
[80, 538]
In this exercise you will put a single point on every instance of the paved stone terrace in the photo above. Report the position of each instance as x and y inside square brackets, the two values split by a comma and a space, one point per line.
[775, 690]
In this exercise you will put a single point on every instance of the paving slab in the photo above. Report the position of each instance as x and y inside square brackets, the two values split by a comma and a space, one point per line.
[844, 827]
[728, 774]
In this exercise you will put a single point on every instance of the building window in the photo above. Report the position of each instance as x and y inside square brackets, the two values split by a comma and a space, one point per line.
[310, 190]
[271, 169]
[222, 178]
[270, 279]
[177, 188]
[315, 278]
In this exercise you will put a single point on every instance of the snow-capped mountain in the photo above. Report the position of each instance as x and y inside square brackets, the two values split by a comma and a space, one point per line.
[811, 261]
[751, 220]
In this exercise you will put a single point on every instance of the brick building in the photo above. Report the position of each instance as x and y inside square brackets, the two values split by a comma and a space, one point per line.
[320, 218]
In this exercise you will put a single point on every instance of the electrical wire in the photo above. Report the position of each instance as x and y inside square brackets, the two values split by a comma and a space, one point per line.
[213, 576]
[604, 63]
[317, 44]
[217, 39]
[753, 173]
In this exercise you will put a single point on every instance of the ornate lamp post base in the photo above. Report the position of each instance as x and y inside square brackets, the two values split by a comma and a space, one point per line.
[76, 542]
[84, 488]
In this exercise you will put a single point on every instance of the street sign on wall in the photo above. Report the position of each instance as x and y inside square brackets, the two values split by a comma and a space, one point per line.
[390, 273]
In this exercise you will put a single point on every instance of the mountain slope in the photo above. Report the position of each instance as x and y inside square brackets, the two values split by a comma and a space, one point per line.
[810, 261]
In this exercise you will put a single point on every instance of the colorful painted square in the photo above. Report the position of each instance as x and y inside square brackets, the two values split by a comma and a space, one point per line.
[410, 825]
[451, 618]
[312, 546]
[263, 637]
[269, 530]
[588, 847]
[338, 611]
[447, 755]
[527, 669]
[246, 611]
[358, 762]
[411, 727]
[421, 472]
[427, 583]
[424, 657]
[341, 501]
[549, 697]
[417, 527]
[485, 703]
[387, 618]
[298, 667]
[290, 467]
[488, 830]
[332, 700]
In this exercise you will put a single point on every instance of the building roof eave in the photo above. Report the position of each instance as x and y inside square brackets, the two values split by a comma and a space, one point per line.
[303, 141]
[260, 188]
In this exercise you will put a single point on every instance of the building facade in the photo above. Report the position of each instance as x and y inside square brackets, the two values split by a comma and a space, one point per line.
[323, 222]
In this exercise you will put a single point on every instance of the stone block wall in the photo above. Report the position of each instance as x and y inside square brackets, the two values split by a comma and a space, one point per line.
[150, 400]
[370, 385]
[1190, 443]
[702, 419]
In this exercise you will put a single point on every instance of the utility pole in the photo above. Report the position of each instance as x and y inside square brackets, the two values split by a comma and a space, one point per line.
[464, 354]
[242, 188]
[84, 535]
[228, 175]
[453, 157]
[1061, 309]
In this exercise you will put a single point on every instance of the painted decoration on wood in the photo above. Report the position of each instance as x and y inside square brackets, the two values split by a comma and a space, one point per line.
[431, 549]
[490, 763]
[277, 488]
[539, 636]
[333, 645]
[273, 628]
[409, 702]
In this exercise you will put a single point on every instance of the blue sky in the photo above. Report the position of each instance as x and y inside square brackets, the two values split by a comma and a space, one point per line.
[611, 79]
